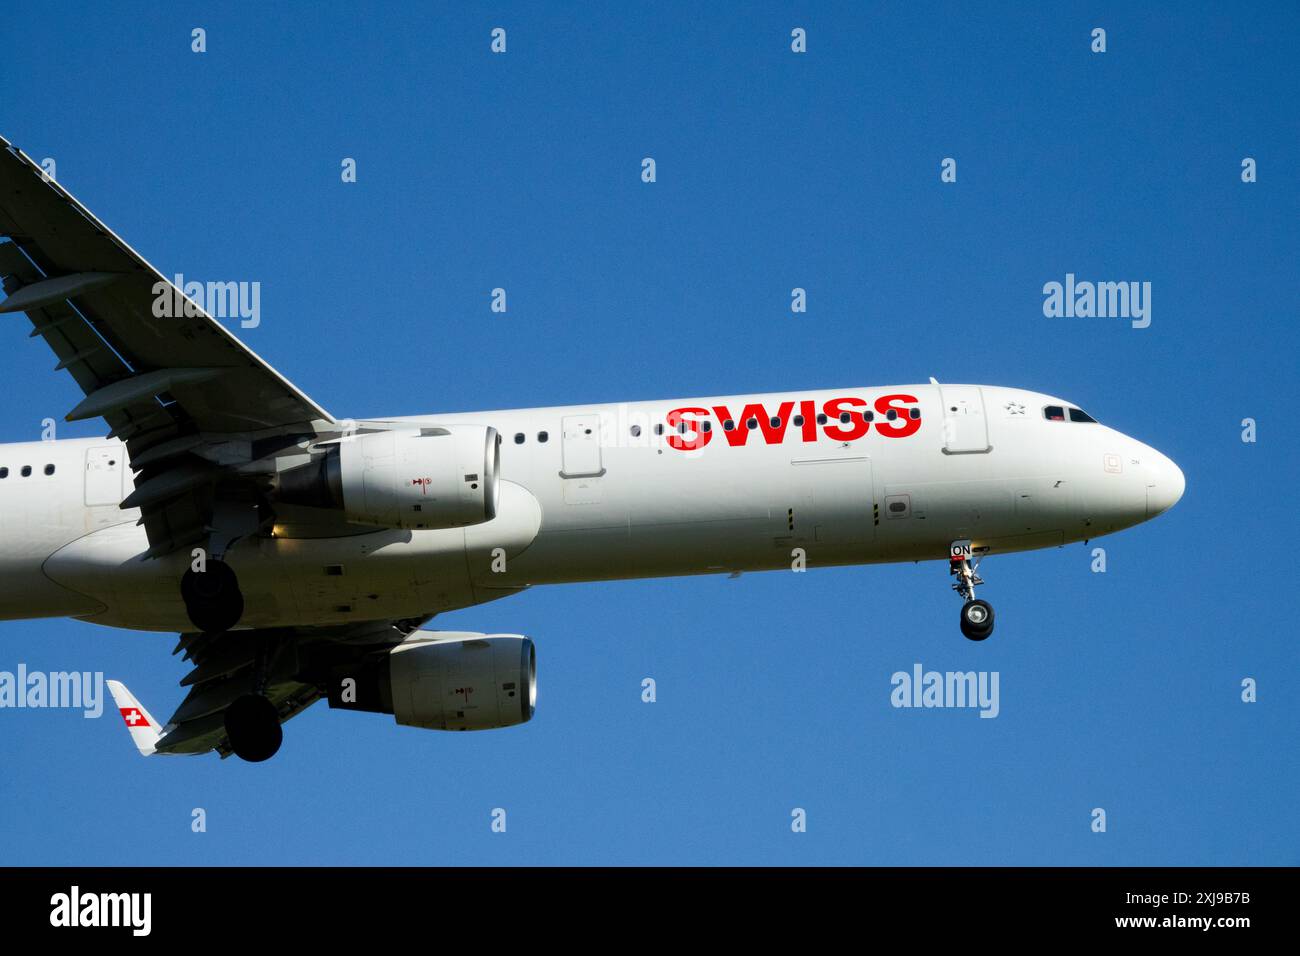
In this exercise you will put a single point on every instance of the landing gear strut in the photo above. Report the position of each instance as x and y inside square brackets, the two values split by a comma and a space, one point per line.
[976, 615]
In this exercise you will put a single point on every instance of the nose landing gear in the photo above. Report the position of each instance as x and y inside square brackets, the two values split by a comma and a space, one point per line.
[977, 619]
[976, 615]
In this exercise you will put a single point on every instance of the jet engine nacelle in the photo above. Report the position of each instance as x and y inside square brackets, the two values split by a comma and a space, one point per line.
[417, 478]
[447, 680]
[425, 478]
[471, 682]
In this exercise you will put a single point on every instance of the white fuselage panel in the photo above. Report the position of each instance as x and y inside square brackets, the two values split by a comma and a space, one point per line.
[733, 483]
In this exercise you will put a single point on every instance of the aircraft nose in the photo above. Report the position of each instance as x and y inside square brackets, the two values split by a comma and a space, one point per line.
[1165, 484]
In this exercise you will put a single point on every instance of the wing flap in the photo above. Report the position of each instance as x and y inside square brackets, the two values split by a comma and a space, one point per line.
[293, 660]
[80, 260]
[157, 367]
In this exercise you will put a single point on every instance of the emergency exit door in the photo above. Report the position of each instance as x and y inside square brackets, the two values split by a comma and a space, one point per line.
[580, 454]
[104, 469]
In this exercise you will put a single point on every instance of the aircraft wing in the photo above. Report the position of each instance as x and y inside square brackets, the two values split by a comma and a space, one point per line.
[297, 664]
[171, 387]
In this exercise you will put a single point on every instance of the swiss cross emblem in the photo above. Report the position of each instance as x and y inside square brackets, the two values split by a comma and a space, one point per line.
[132, 716]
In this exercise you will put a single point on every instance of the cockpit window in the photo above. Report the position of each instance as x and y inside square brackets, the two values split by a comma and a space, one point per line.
[1059, 413]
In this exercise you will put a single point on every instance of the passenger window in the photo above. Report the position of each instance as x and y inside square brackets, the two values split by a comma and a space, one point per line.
[728, 425]
[659, 429]
[707, 426]
[774, 422]
[1079, 415]
[868, 416]
[27, 470]
[49, 469]
[542, 436]
[1054, 413]
[891, 414]
[636, 431]
[4, 472]
[845, 418]
[519, 438]
[751, 423]
[914, 413]
[821, 419]
[798, 421]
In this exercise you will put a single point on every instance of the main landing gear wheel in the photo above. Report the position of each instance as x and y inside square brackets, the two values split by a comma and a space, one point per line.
[253, 727]
[977, 619]
[212, 597]
[976, 615]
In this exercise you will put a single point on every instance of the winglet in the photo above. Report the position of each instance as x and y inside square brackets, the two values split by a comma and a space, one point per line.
[145, 731]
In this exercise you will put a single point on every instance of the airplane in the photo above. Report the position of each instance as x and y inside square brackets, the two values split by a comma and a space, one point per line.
[299, 555]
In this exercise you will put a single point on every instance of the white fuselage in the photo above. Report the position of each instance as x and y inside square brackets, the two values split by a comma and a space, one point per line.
[603, 496]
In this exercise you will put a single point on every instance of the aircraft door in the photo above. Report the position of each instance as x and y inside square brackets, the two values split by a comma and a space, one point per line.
[581, 446]
[104, 467]
[965, 427]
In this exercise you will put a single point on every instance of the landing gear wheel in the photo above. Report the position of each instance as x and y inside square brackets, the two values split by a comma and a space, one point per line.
[977, 619]
[212, 597]
[253, 727]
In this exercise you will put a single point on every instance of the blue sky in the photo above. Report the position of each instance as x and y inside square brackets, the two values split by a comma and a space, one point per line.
[1118, 690]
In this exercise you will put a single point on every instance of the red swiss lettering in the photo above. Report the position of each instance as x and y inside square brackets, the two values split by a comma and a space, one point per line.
[772, 434]
[857, 425]
[904, 424]
[695, 436]
[808, 409]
